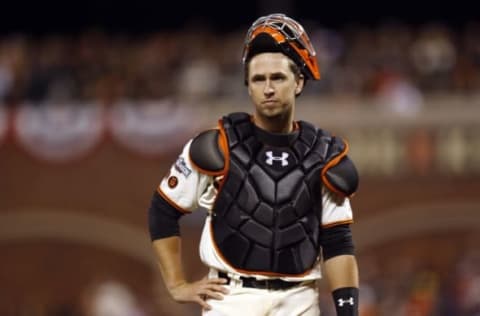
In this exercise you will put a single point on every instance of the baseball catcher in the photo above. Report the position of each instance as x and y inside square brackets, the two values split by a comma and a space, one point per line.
[276, 190]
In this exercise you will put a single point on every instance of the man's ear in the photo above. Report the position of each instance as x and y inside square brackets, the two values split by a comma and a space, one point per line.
[300, 84]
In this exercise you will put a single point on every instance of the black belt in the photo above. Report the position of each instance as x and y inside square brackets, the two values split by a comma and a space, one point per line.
[268, 284]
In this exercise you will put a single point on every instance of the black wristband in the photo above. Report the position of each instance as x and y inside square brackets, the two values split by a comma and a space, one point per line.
[346, 301]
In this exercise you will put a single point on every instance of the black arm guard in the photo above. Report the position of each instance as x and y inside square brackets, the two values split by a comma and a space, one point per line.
[336, 240]
[205, 152]
[346, 301]
[162, 218]
[343, 177]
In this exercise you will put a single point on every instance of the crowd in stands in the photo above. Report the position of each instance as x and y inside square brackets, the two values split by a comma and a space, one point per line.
[199, 62]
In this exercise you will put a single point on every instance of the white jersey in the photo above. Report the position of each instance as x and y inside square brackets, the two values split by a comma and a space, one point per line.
[187, 189]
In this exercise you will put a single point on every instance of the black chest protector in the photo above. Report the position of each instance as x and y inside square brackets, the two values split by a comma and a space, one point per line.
[267, 215]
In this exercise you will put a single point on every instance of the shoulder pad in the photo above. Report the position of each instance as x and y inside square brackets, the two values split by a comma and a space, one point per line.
[205, 153]
[342, 178]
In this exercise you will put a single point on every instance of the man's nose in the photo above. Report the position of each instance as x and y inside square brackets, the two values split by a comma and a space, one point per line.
[268, 89]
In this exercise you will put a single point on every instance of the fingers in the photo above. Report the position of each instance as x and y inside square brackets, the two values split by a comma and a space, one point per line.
[201, 301]
[201, 291]
[217, 280]
[219, 288]
[213, 290]
[217, 285]
[212, 294]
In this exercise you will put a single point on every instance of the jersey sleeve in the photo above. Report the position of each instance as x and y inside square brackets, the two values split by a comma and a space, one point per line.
[184, 185]
[336, 209]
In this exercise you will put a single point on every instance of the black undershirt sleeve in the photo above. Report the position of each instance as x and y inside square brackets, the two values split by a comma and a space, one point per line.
[337, 240]
[162, 218]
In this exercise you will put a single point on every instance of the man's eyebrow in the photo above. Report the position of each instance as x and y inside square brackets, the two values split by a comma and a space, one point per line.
[273, 74]
[278, 74]
[258, 76]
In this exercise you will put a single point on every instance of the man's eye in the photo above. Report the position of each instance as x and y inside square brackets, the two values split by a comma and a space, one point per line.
[278, 78]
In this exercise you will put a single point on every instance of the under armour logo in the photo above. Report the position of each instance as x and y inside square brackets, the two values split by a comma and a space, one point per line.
[271, 158]
[342, 302]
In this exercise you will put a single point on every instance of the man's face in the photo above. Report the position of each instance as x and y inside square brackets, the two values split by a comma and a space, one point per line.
[272, 84]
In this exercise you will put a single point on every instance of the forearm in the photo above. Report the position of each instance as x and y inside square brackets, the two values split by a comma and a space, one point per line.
[342, 274]
[168, 255]
[341, 271]
[165, 235]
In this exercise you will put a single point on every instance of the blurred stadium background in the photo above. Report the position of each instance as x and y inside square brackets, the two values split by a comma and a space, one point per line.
[97, 98]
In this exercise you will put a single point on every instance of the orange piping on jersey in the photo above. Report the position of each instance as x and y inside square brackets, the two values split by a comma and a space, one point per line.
[347, 221]
[296, 126]
[331, 164]
[223, 144]
[205, 171]
[172, 203]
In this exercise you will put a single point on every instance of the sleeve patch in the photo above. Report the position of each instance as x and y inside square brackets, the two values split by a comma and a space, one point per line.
[181, 166]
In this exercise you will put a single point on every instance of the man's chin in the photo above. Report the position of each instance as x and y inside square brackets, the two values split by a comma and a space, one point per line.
[272, 113]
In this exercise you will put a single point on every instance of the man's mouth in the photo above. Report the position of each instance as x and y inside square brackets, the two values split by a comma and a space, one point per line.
[270, 102]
